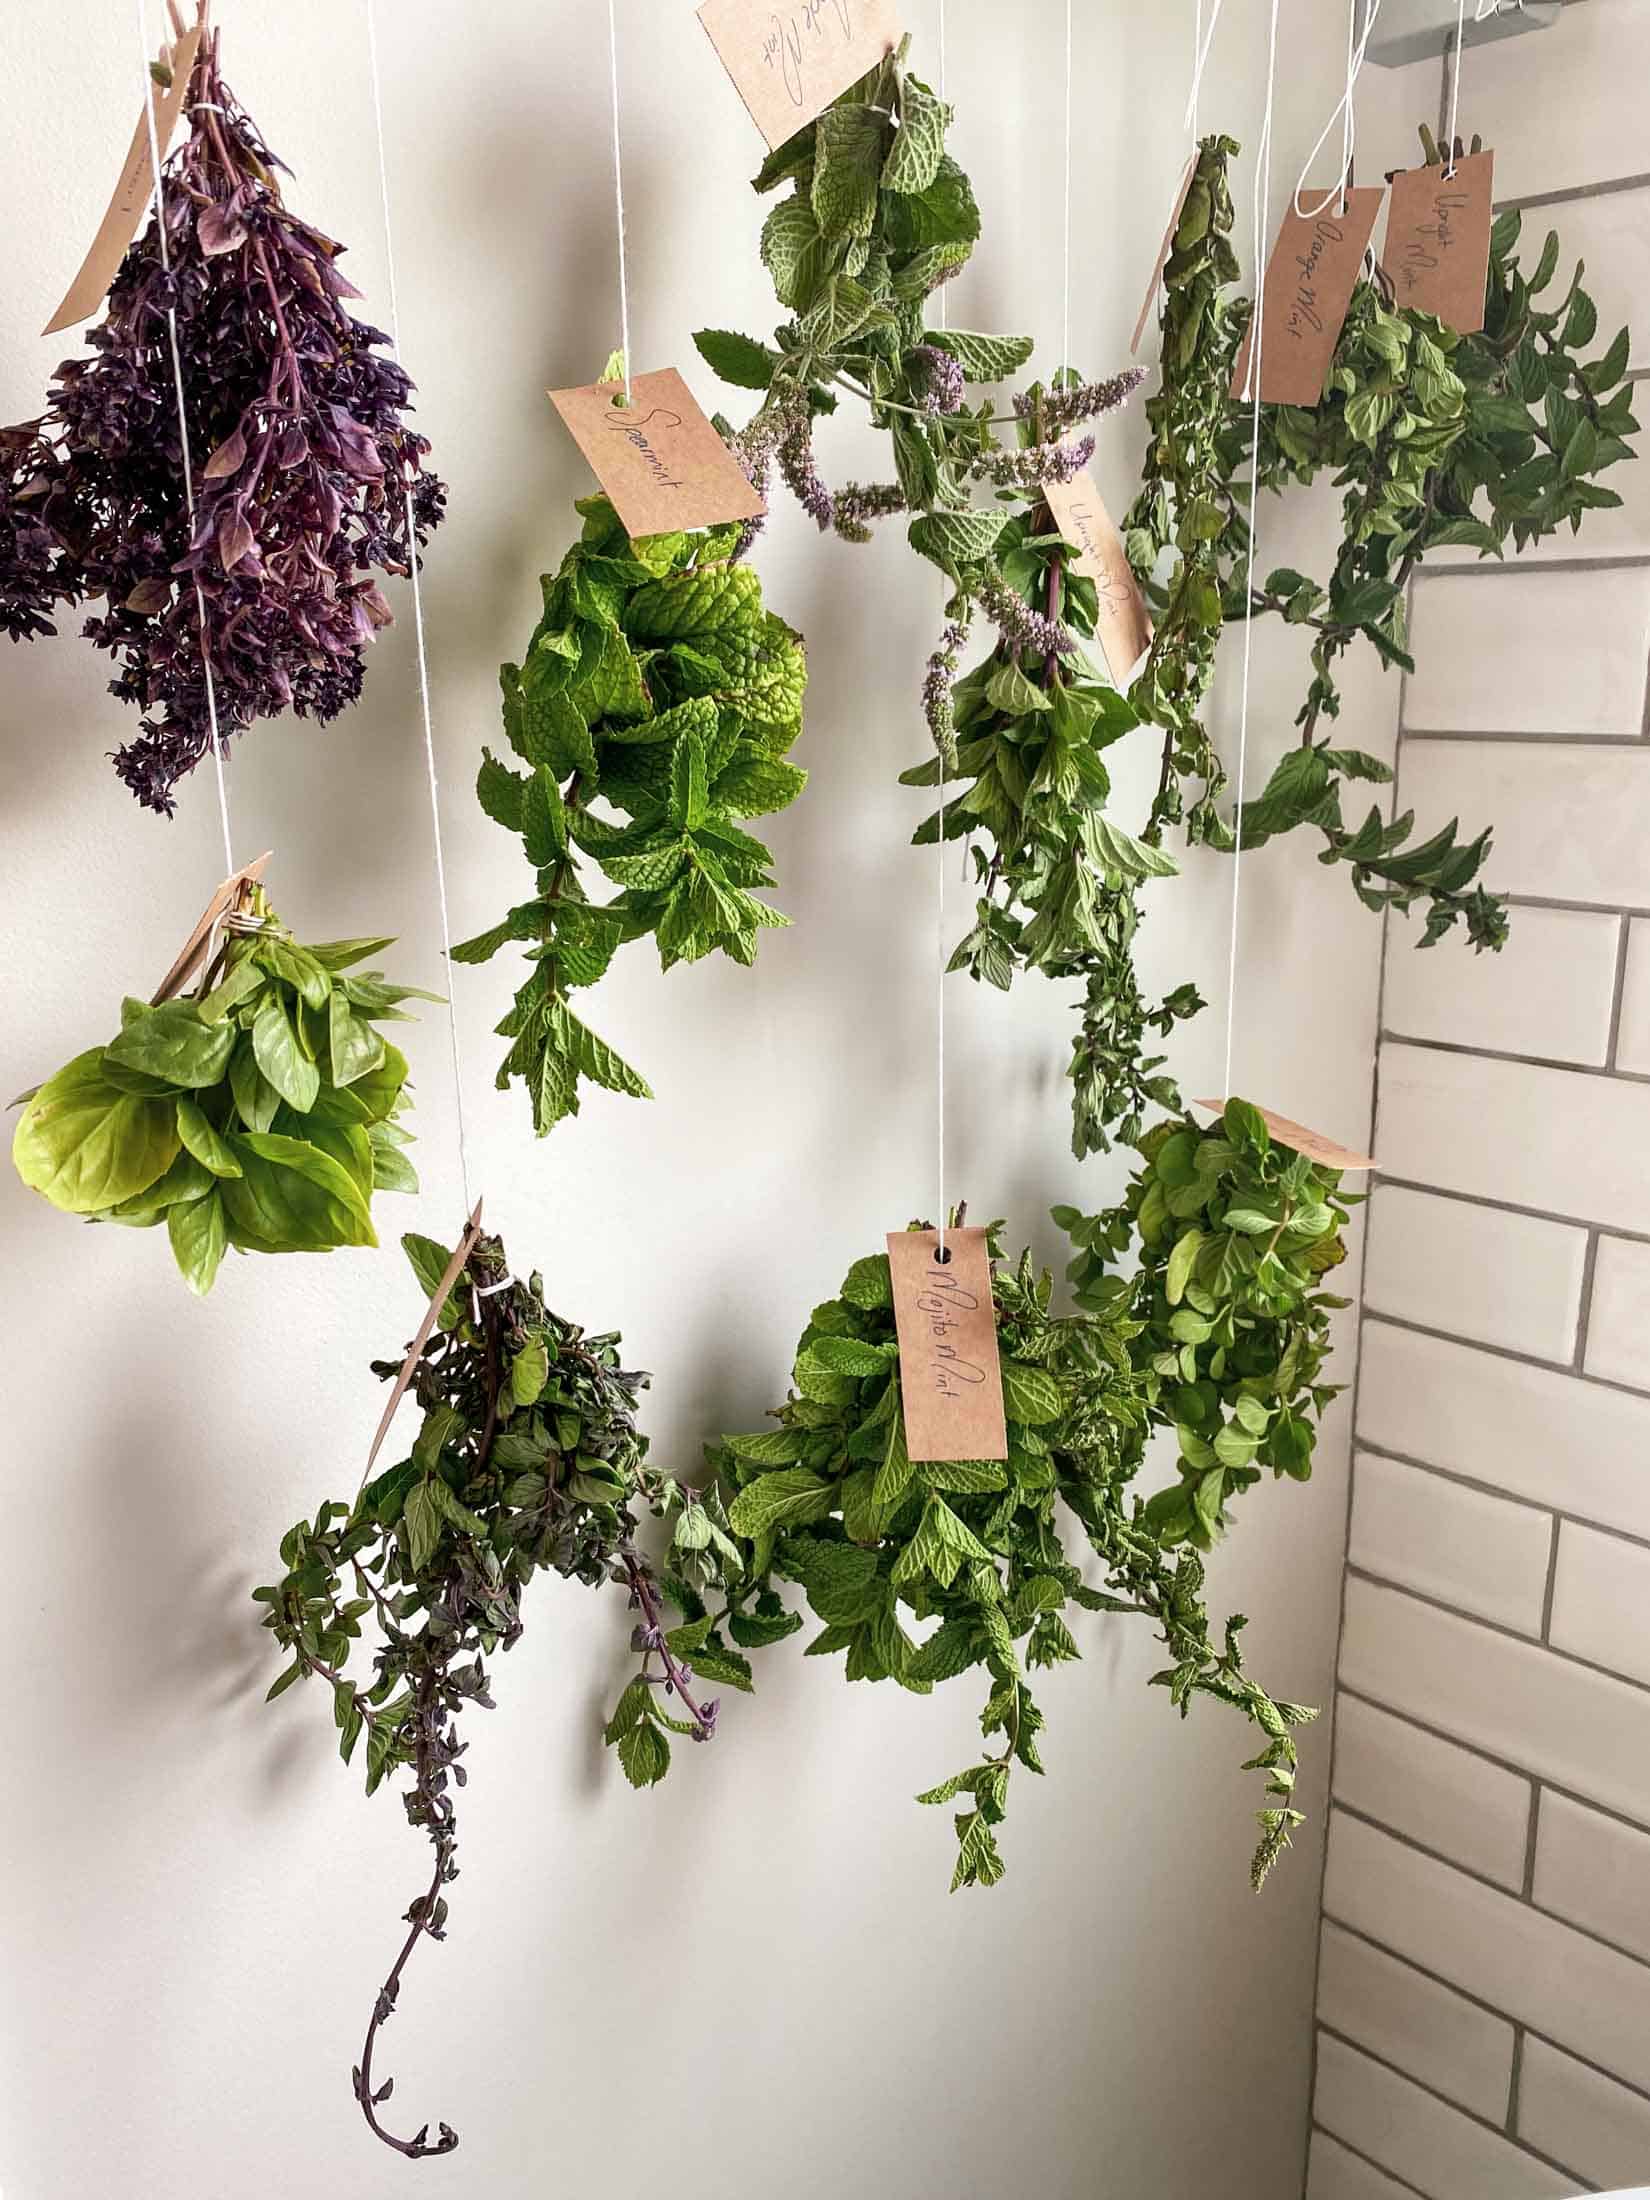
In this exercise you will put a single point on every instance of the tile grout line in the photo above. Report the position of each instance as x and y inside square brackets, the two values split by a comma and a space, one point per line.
[1569, 1068]
[1490, 1756]
[1502, 737]
[1545, 1507]
[1499, 1627]
[1531, 1841]
[1471, 2115]
[1612, 1051]
[1550, 1587]
[1511, 1207]
[1570, 1369]
[1488, 2008]
[1584, 1309]
[1391, 2175]
[1510, 2127]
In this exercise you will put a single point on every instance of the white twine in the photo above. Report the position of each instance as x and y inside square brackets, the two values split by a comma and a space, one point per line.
[1341, 112]
[1065, 266]
[618, 193]
[1481, 13]
[1201, 60]
[418, 632]
[183, 436]
[943, 954]
[1197, 48]
[1263, 192]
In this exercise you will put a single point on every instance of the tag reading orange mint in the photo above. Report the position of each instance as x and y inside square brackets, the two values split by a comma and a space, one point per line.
[1123, 624]
[789, 60]
[1311, 1143]
[136, 180]
[1164, 249]
[658, 458]
[1438, 240]
[950, 1378]
[1308, 288]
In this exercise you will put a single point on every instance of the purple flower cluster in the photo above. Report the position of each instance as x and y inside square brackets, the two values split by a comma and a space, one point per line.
[303, 463]
[860, 502]
[936, 379]
[1019, 625]
[936, 689]
[1036, 464]
[1056, 410]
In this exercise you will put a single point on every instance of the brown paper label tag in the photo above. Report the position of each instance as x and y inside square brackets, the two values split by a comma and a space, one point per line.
[1308, 287]
[789, 60]
[950, 1377]
[432, 1314]
[1149, 302]
[659, 458]
[198, 946]
[1309, 1142]
[1124, 626]
[1438, 240]
[131, 195]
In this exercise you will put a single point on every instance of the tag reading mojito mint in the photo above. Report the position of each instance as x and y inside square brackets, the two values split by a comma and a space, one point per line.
[1123, 623]
[950, 1377]
[1308, 287]
[788, 61]
[1438, 240]
[659, 458]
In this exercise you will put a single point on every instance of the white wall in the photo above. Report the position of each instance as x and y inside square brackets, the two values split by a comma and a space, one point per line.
[753, 1978]
[1485, 1977]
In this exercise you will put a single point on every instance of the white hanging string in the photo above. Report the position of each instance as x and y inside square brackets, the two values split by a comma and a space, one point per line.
[1263, 193]
[1201, 60]
[1065, 264]
[183, 435]
[1482, 11]
[1197, 74]
[618, 194]
[1341, 112]
[943, 942]
[1349, 117]
[418, 631]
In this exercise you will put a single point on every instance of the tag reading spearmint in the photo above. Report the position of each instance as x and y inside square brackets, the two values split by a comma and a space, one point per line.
[1438, 240]
[131, 195]
[1123, 626]
[1296, 1135]
[788, 62]
[950, 1378]
[1149, 302]
[1308, 288]
[658, 457]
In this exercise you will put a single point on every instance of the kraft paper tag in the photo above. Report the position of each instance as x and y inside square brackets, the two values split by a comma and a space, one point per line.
[950, 1377]
[1311, 1143]
[1124, 626]
[659, 458]
[789, 61]
[1149, 302]
[198, 947]
[131, 196]
[432, 1314]
[1308, 287]
[1438, 240]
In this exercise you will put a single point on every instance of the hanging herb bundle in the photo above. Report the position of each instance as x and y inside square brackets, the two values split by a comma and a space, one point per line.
[657, 686]
[1229, 1326]
[260, 1112]
[832, 1500]
[1436, 439]
[303, 464]
[527, 1460]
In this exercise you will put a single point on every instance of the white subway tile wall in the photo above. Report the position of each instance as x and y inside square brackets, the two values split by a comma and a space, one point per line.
[1484, 1988]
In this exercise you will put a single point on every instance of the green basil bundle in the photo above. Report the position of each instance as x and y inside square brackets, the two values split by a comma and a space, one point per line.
[259, 1112]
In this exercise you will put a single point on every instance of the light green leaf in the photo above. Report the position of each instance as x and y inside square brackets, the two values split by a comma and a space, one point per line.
[86, 1145]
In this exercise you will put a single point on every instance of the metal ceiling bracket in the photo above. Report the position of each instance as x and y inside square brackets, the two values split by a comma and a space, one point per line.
[1422, 30]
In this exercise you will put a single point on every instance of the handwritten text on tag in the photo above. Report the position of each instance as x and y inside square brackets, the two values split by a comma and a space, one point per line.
[1311, 1143]
[1308, 287]
[1124, 625]
[658, 458]
[790, 58]
[1438, 240]
[131, 195]
[950, 1377]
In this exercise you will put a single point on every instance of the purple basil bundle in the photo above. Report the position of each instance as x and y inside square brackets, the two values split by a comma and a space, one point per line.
[303, 461]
